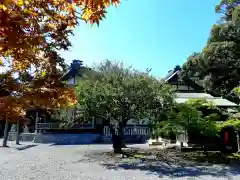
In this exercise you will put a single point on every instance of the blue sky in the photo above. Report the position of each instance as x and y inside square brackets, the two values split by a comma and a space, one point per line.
[157, 34]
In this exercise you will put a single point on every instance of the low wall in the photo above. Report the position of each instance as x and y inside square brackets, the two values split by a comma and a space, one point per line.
[57, 138]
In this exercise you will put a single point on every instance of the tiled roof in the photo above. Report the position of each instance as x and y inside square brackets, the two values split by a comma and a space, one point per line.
[74, 70]
[193, 95]
[223, 102]
[218, 101]
[183, 97]
[171, 73]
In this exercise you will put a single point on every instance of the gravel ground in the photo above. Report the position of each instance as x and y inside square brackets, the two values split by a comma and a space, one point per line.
[46, 162]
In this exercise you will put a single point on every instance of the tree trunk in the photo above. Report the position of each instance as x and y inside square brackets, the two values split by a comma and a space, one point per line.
[17, 133]
[121, 133]
[118, 136]
[5, 136]
[116, 140]
[117, 143]
[36, 121]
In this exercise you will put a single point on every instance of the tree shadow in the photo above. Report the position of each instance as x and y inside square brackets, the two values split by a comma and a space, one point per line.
[164, 169]
[26, 147]
[88, 143]
[173, 163]
[7, 146]
[70, 143]
[170, 163]
[207, 157]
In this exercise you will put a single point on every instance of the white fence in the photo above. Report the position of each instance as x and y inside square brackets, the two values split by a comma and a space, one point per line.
[130, 131]
[45, 126]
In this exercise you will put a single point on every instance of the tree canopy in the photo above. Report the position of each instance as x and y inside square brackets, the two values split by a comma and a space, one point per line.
[190, 118]
[227, 7]
[217, 67]
[120, 94]
[32, 32]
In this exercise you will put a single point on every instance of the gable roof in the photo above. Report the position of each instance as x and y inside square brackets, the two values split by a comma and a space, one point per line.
[69, 74]
[172, 73]
[74, 70]
[209, 96]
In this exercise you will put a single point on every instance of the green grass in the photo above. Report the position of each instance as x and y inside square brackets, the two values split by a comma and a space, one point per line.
[234, 156]
[138, 156]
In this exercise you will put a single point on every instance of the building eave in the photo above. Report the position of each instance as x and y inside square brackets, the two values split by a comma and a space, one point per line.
[171, 76]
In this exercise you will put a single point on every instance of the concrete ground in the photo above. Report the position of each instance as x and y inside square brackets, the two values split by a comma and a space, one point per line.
[71, 162]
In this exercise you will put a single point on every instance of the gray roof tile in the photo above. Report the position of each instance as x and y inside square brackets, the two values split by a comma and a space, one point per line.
[218, 101]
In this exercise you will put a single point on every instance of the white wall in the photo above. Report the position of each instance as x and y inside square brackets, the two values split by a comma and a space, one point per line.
[71, 81]
[182, 138]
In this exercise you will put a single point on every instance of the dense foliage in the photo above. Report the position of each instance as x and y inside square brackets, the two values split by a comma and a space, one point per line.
[31, 35]
[217, 67]
[120, 94]
[192, 117]
[235, 123]
[32, 32]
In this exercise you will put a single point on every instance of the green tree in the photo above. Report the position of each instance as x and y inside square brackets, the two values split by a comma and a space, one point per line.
[180, 120]
[120, 94]
[217, 67]
[190, 68]
[191, 118]
[227, 7]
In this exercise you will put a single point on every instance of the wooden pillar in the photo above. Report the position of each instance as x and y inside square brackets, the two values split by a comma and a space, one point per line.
[36, 121]
[17, 132]
[5, 136]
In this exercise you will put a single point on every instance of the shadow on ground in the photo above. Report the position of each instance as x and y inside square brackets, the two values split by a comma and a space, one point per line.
[172, 163]
[25, 147]
[70, 143]
[164, 169]
[87, 143]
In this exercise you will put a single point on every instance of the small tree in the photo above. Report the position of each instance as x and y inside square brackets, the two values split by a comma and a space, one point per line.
[180, 120]
[190, 118]
[120, 94]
